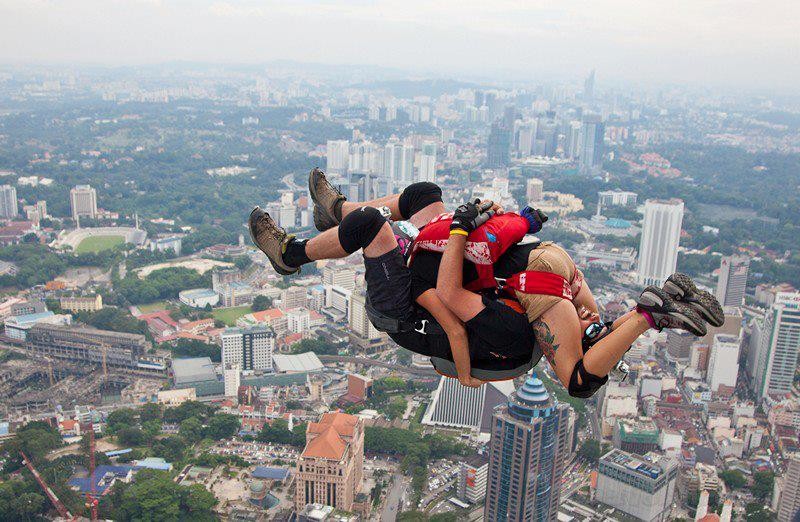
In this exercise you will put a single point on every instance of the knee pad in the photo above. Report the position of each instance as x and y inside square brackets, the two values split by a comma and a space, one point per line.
[589, 383]
[359, 228]
[417, 196]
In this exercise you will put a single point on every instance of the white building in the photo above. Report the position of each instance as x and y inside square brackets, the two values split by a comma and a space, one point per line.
[471, 485]
[233, 378]
[661, 234]
[357, 317]
[457, 406]
[298, 320]
[616, 198]
[293, 297]
[8, 202]
[338, 275]
[199, 297]
[427, 162]
[338, 156]
[163, 244]
[732, 280]
[534, 190]
[337, 298]
[250, 348]
[723, 362]
[789, 504]
[83, 201]
[776, 340]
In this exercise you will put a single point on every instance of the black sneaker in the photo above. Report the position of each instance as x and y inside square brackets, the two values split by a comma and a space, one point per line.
[668, 313]
[681, 288]
[327, 201]
[270, 239]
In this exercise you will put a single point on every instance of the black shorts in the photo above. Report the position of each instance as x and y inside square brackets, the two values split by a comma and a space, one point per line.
[389, 285]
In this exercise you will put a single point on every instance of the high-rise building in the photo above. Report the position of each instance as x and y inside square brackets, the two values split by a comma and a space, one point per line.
[338, 275]
[498, 146]
[331, 467]
[723, 362]
[232, 375]
[363, 332]
[776, 340]
[588, 86]
[338, 156]
[534, 190]
[294, 297]
[616, 198]
[528, 448]
[457, 406]
[642, 487]
[572, 145]
[398, 164]
[590, 157]
[471, 484]
[250, 348]
[8, 202]
[661, 234]
[427, 162]
[635, 435]
[527, 134]
[83, 200]
[732, 280]
[789, 503]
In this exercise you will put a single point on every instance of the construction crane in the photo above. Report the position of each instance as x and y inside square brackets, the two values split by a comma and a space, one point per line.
[91, 497]
[60, 507]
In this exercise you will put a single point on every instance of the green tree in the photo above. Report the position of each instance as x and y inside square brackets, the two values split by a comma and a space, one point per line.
[191, 429]
[733, 479]
[757, 512]
[763, 484]
[132, 436]
[590, 450]
[151, 411]
[18, 501]
[222, 426]
[261, 302]
[120, 419]
[153, 496]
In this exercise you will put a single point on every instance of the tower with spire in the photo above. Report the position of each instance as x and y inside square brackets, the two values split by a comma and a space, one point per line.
[528, 448]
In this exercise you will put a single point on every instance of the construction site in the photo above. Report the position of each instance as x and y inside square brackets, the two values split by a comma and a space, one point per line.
[66, 365]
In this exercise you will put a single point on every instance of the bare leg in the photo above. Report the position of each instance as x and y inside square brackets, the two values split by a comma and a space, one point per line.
[327, 246]
[392, 202]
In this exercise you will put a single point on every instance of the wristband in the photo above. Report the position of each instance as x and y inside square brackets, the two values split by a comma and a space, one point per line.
[458, 232]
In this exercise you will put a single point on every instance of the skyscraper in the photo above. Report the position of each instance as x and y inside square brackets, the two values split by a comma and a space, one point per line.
[590, 156]
[338, 156]
[640, 486]
[331, 467]
[723, 362]
[526, 456]
[661, 234]
[457, 406]
[732, 280]
[498, 145]
[427, 162]
[249, 348]
[83, 200]
[398, 164]
[572, 145]
[588, 86]
[8, 202]
[789, 504]
[776, 340]
[534, 190]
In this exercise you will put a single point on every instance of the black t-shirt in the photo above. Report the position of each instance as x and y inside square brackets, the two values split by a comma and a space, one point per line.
[499, 336]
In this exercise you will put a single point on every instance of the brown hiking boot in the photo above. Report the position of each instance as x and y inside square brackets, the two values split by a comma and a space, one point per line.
[270, 239]
[327, 201]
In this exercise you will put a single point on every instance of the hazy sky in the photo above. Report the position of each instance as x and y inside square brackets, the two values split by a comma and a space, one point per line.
[736, 42]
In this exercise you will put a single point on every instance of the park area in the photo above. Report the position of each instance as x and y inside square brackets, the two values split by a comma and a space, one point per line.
[230, 315]
[93, 244]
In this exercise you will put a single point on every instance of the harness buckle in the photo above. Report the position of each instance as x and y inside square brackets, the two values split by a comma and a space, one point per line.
[421, 329]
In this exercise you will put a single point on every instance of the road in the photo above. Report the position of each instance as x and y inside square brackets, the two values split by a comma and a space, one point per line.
[288, 180]
[393, 498]
[422, 372]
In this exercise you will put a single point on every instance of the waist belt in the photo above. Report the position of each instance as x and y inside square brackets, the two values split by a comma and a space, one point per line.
[388, 324]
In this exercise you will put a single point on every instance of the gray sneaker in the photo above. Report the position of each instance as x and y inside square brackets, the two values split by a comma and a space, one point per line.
[327, 201]
[681, 288]
[668, 313]
[270, 239]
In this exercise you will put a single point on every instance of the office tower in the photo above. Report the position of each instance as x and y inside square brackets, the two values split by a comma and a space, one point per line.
[509, 116]
[457, 406]
[8, 202]
[298, 320]
[471, 482]
[534, 190]
[427, 162]
[338, 156]
[732, 280]
[331, 467]
[498, 146]
[527, 134]
[642, 487]
[777, 342]
[232, 375]
[478, 99]
[789, 504]
[547, 135]
[365, 334]
[294, 297]
[616, 198]
[572, 145]
[661, 234]
[250, 348]
[398, 164]
[723, 362]
[588, 86]
[526, 456]
[679, 344]
[590, 158]
[339, 275]
[83, 200]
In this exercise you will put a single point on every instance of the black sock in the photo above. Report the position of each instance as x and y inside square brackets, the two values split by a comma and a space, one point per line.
[295, 254]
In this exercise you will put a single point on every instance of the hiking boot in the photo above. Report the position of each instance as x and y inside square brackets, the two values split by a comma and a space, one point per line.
[327, 201]
[270, 239]
[681, 288]
[668, 313]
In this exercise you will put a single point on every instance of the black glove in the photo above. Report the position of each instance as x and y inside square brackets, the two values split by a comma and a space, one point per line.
[471, 215]
[536, 218]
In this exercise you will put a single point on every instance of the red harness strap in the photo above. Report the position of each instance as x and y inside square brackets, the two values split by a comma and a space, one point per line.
[537, 282]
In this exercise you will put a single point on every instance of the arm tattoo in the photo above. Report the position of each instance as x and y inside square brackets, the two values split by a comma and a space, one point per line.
[546, 340]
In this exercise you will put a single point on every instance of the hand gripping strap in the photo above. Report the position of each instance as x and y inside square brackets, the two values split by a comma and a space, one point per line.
[538, 282]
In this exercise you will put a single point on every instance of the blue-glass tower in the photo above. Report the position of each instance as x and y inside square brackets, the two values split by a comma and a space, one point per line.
[526, 457]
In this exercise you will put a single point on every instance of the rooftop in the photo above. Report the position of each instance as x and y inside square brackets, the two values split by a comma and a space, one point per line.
[193, 369]
[303, 362]
[330, 432]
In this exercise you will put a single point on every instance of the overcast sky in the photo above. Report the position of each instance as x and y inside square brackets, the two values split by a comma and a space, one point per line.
[751, 44]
